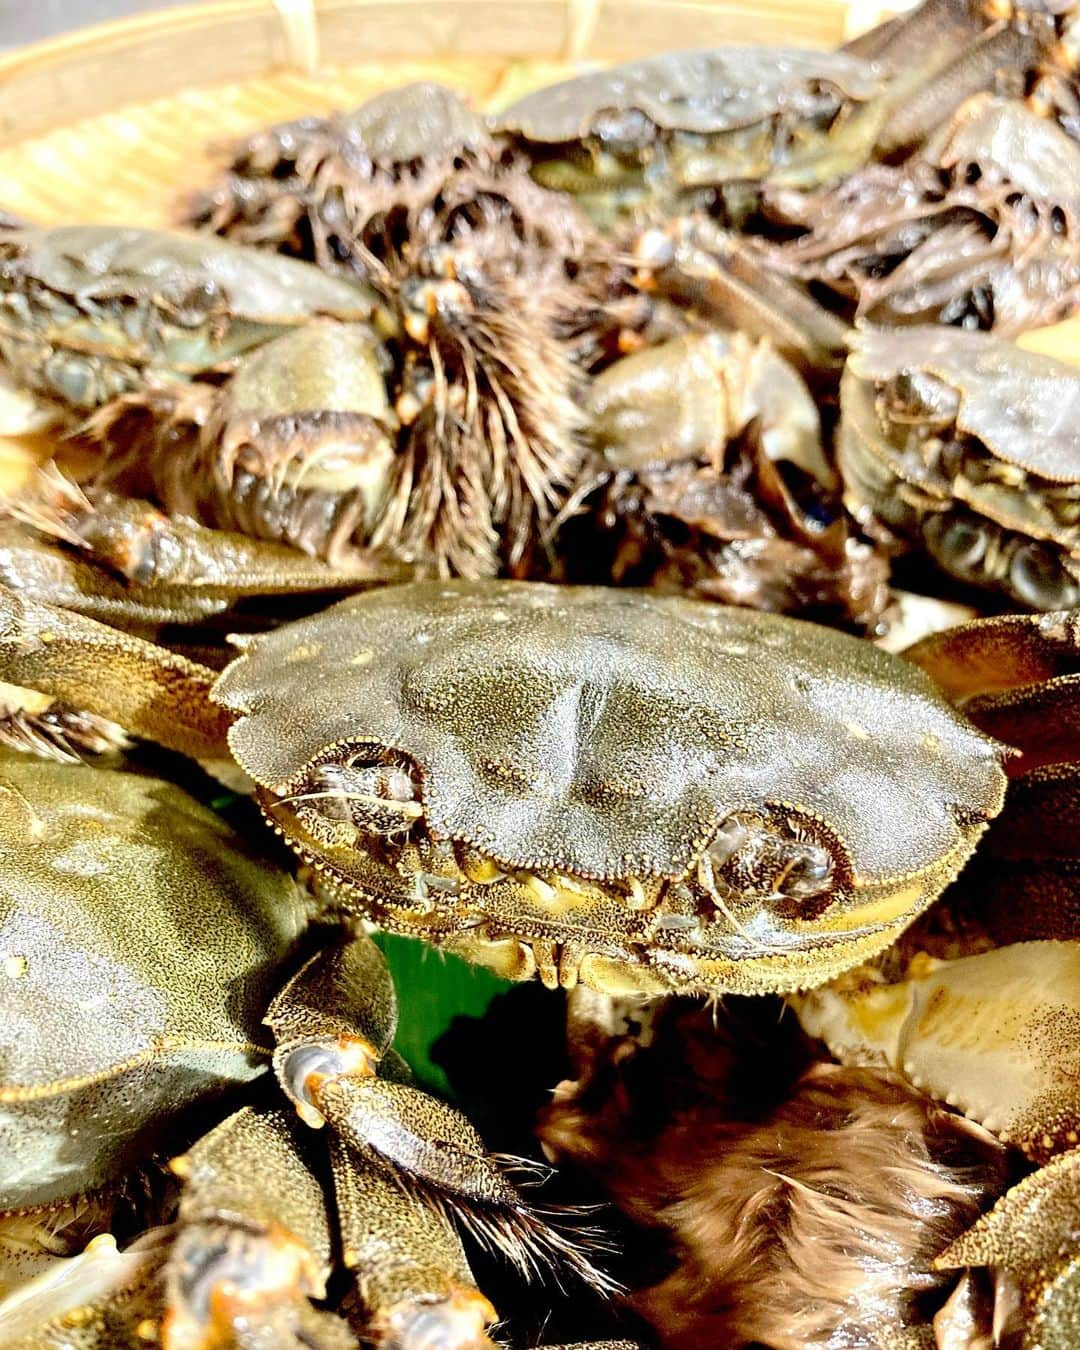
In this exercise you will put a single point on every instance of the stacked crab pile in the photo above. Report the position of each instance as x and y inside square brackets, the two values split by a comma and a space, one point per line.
[521, 514]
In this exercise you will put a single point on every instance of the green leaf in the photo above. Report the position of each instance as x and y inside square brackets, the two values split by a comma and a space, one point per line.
[433, 988]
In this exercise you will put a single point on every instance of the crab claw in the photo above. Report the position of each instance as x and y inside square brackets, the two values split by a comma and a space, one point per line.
[1028, 1240]
[994, 1035]
[221, 1279]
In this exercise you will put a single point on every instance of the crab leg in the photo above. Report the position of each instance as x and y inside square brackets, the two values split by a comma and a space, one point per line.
[255, 1240]
[198, 569]
[993, 656]
[414, 1280]
[334, 1023]
[1016, 678]
[151, 692]
[700, 265]
[1029, 1242]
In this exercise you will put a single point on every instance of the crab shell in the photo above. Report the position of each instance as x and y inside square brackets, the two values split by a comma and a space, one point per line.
[577, 750]
[677, 127]
[114, 1020]
[706, 92]
[417, 123]
[1016, 414]
[87, 310]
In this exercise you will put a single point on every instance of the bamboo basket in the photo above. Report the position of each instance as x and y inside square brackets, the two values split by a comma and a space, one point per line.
[116, 123]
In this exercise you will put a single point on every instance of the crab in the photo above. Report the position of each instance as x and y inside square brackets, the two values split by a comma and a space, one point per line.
[580, 783]
[964, 447]
[980, 1003]
[90, 312]
[958, 1074]
[980, 228]
[499, 286]
[246, 392]
[423, 415]
[689, 127]
[708, 476]
[723, 129]
[330, 189]
[123, 1037]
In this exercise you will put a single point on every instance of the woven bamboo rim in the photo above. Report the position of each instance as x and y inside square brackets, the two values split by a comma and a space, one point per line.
[112, 123]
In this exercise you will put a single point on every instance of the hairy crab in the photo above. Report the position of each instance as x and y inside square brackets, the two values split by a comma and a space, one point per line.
[979, 228]
[455, 762]
[847, 1187]
[123, 1035]
[240, 391]
[497, 284]
[669, 131]
[980, 1002]
[708, 477]
[427, 417]
[723, 129]
[90, 312]
[331, 189]
[965, 448]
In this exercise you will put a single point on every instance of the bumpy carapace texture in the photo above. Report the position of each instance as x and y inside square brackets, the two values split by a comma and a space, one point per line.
[600, 780]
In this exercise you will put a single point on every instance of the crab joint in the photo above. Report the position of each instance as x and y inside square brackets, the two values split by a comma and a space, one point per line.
[307, 1068]
[223, 1277]
[456, 1322]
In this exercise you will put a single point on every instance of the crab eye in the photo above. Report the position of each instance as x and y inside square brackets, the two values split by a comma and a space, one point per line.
[810, 871]
[623, 131]
[341, 801]
[728, 839]
[1038, 579]
[918, 398]
[754, 859]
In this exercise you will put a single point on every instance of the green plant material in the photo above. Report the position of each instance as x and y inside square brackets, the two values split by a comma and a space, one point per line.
[433, 988]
